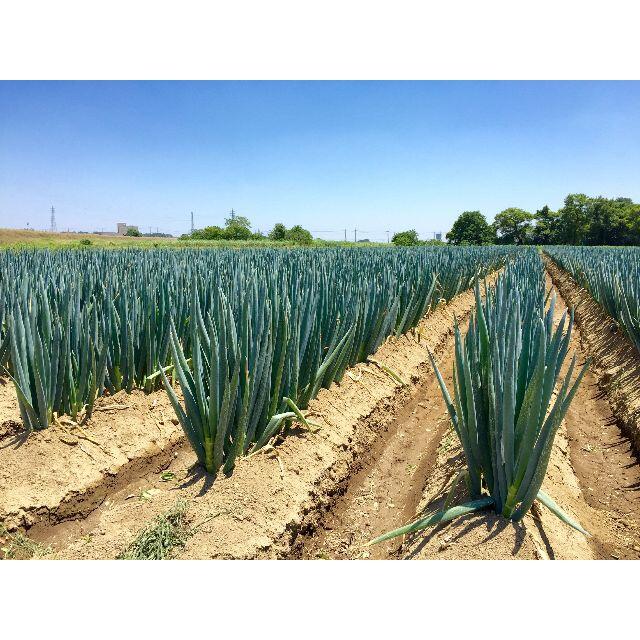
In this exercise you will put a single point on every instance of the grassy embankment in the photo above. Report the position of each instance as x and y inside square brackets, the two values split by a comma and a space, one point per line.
[21, 238]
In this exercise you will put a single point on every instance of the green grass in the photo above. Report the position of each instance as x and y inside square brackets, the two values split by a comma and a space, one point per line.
[160, 538]
[17, 546]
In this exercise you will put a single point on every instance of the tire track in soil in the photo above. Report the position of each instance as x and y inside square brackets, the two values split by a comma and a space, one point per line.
[385, 491]
[604, 462]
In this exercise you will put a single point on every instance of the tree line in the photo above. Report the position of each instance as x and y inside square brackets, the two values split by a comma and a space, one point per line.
[239, 228]
[582, 220]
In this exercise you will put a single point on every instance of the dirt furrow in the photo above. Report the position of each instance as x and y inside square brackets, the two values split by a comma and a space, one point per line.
[385, 491]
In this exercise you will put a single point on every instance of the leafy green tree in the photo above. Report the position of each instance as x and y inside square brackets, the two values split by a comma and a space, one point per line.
[611, 221]
[241, 221]
[406, 238]
[299, 235]
[237, 232]
[237, 228]
[513, 226]
[574, 219]
[546, 229]
[471, 227]
[279, 232]
[133, 232]
[633, 222]
[209, 233]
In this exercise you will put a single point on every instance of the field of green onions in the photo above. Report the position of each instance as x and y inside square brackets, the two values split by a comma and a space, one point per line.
[612, 277]
[238, 343]
[240, 340]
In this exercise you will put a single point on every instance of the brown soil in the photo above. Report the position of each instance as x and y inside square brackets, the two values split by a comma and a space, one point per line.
[386, 489]
[61, 473]
[486, 536]
[616, 361]
[10, 420]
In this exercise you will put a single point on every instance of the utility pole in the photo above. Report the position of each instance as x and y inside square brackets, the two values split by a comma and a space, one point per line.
[387, 237]
[355, 235]
[345, 235]
[192, 222]
[53, 220]
[233, 214]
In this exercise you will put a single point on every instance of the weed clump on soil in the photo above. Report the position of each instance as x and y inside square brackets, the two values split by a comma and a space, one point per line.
[17, 546]
[158, 539]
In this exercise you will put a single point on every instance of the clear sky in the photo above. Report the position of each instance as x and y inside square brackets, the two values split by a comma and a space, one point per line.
[375, 156]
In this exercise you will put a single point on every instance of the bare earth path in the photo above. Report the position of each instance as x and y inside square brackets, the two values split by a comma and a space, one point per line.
[385, 492]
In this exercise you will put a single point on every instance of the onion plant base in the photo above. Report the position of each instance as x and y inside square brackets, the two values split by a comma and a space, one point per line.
[450, 513]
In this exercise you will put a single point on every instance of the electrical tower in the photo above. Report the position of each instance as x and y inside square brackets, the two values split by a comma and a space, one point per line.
[53, 220]
[233, 214]
[192, 222]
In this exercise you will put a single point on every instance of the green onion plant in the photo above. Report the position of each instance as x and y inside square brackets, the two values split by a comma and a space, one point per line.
[509, 397]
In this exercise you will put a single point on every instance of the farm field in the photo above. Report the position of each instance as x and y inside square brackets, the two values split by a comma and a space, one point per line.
[283, 404]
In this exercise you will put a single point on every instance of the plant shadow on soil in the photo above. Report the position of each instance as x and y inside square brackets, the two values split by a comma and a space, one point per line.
[493, 523]
[195, 474]
[12, 434]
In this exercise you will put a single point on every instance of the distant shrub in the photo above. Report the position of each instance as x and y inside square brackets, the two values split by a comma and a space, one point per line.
[406, 238]
[85, 241]
[279, 232]
[299, 235]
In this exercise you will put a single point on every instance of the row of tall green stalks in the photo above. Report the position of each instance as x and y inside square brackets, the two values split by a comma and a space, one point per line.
[251, 336]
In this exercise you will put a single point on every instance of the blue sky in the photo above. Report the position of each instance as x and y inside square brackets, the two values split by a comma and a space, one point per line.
[375, 156]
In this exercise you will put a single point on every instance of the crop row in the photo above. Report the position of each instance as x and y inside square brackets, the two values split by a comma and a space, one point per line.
[612, 277]
[251, 335]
